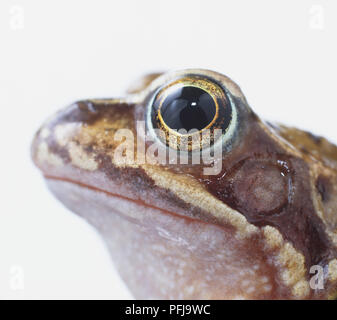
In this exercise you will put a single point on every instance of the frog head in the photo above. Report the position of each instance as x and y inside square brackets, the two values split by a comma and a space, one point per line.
[195, 195]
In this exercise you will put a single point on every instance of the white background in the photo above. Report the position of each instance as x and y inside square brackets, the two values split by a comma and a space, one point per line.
[282, 54]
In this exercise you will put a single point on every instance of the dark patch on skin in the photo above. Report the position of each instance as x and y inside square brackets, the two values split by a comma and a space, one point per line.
[55, 148]
[89, 148]
[304, 150]
[323, 187]
[316, 139]
[139, 179]
[88, 112]
[272, 125]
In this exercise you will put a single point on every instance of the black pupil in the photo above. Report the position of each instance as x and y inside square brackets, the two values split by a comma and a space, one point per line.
[188, 108]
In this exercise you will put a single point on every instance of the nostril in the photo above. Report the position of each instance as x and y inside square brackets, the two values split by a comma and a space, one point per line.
[83, 111]
[323, 187]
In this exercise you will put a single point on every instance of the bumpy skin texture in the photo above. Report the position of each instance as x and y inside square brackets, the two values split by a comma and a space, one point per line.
[253, 231]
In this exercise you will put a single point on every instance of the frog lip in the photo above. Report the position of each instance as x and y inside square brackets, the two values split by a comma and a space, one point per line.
[138, 202]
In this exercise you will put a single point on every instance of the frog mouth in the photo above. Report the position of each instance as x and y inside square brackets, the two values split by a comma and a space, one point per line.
[74, 195]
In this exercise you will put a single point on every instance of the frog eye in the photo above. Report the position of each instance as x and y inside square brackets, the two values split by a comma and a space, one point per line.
[187, 112]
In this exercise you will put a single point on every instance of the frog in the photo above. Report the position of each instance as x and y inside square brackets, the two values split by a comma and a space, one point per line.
[261, 225]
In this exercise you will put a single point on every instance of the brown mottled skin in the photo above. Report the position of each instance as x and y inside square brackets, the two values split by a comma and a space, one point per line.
[253, 231]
